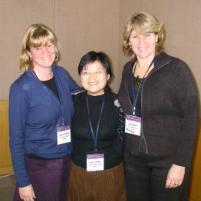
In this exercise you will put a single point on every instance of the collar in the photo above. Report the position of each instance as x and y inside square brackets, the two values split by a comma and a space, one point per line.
[160, 60]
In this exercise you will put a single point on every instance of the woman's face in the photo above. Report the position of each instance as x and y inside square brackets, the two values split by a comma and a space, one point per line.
[43, 56]
[143, 44]
[94, 78]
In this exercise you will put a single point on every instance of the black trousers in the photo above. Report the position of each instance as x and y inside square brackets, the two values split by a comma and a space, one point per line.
[146, 178]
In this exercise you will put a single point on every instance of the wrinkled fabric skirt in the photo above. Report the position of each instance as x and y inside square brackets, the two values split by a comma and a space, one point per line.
[107, 185]
[49, 178]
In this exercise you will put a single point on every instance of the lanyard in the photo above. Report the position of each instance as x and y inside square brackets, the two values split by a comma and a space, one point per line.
[136, 94]
[95, 134]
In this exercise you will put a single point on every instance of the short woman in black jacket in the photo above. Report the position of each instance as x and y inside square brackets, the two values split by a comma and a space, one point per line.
[97, 169]
[159, 97]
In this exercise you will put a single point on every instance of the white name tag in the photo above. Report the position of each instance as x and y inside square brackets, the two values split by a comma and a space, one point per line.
[95, 162]
[133, 125]
[63, 135]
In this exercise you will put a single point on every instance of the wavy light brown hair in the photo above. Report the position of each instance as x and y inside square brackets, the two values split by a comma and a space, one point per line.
[142, 23]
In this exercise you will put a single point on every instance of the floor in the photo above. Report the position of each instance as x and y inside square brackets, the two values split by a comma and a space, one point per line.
[7, 186]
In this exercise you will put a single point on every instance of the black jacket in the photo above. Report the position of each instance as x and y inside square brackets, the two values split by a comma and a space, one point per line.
[169, 106]
[109, 141]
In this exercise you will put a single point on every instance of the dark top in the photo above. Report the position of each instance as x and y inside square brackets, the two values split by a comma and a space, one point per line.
[51, 84]
[111, 125]
[134, 85]
[169, 112]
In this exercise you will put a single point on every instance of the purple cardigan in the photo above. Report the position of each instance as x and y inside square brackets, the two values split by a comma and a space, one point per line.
[34, 113]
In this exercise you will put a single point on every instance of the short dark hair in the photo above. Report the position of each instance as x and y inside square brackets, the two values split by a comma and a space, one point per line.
[93, 56]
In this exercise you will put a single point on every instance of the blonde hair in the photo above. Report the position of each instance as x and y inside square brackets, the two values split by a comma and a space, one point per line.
[142, 23]
[35, 36]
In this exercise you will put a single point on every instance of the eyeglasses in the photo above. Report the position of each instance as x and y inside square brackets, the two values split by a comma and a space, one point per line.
[94, 73]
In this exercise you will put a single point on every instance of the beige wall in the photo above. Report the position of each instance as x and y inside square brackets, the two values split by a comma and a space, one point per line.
[182, 21]
[15, 16]
[98, 25]
[80, 26]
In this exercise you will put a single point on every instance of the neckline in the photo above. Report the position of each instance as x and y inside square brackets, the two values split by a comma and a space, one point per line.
[46, 81]
[35, 75]
[138, 78]
[95, 99]
[148, 70]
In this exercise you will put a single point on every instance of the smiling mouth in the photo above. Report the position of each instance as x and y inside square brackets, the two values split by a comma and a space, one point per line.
[92, 83]
[141, 48]
[45, 59]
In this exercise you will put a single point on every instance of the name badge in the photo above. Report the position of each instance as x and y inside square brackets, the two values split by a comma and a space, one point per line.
[63, 135]
[95, 162]
[133, 125]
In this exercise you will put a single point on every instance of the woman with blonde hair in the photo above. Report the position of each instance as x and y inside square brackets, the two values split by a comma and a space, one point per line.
[159, 96]
[40, 111]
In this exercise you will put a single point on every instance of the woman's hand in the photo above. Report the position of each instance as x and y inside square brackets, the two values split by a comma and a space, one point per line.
[27, 193]
[175, 176]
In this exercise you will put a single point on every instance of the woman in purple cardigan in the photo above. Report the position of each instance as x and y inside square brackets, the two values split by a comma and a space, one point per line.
[40, 111]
